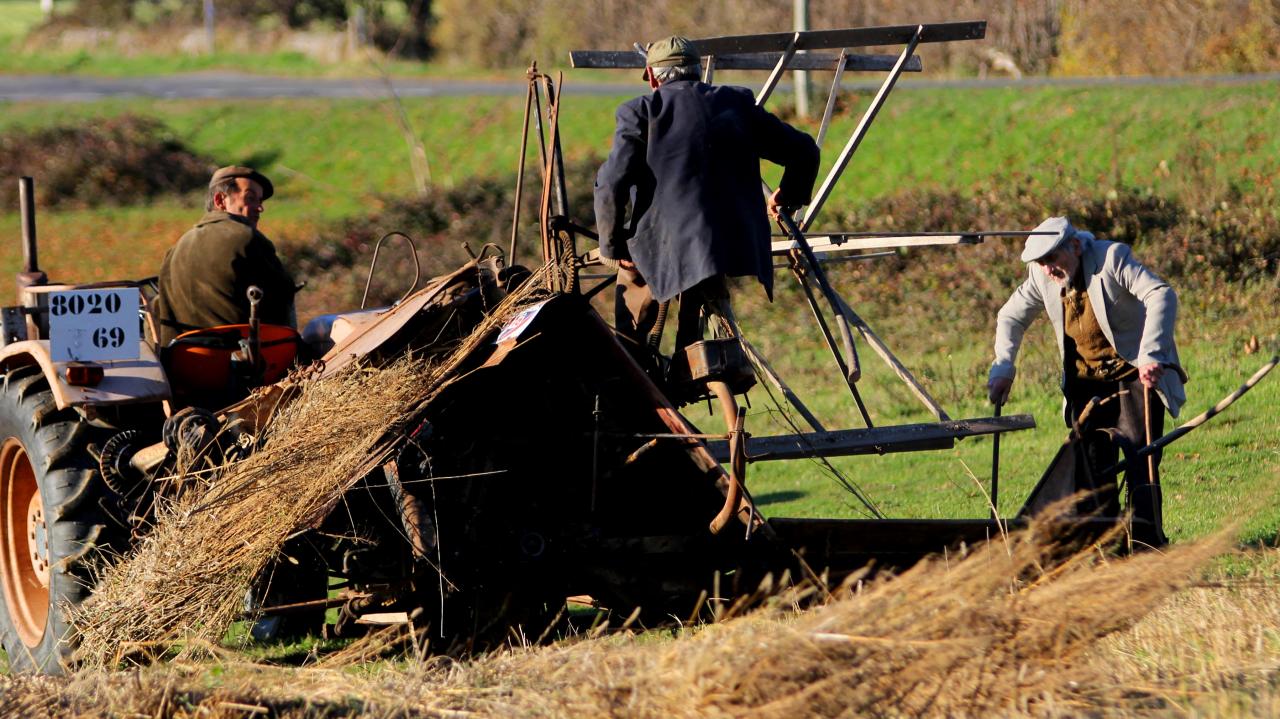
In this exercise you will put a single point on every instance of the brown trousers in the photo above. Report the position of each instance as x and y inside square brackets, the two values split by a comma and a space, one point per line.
[636, 312]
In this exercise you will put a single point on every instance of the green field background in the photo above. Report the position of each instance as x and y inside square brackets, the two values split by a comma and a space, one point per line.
[340, 160]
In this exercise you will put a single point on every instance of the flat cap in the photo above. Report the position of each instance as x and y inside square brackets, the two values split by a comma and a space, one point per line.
[1040, 245]
[671, 52]
[227, 173]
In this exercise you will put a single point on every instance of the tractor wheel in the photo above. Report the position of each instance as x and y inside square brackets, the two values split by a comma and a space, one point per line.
[50, 521]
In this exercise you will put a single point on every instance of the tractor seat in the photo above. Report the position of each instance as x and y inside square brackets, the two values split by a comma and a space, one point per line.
[201, 362]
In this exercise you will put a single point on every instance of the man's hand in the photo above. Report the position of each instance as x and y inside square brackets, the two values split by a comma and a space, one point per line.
[1150, 374]
[627, 265]
[775, 208]
[998, 389]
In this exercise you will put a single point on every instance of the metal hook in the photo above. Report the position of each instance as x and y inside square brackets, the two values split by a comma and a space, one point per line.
[417, 267]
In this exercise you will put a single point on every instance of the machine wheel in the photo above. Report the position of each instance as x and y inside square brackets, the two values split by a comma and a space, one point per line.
[50, 521]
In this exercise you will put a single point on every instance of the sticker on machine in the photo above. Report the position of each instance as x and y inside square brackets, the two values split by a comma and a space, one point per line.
[94, 325]
[519, 323]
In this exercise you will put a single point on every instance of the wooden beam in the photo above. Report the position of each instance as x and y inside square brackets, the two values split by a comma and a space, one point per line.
[631, 60]
[899, 438]
[836, 39]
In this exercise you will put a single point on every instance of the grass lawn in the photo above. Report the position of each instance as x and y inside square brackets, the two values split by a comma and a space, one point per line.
[17, 17]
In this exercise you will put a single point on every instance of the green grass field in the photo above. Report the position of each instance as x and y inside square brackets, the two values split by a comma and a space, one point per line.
[341, 159]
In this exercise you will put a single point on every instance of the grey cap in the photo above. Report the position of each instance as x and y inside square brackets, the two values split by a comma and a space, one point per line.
[1040, 245]
[227, 173]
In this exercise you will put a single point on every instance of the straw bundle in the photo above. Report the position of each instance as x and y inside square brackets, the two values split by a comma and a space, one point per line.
[185, 583]
[187, 580]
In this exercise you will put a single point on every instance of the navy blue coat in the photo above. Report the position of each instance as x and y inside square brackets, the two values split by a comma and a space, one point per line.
[687, 158]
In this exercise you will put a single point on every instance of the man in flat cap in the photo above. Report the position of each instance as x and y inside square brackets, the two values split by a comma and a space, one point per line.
[1114, 322]
[205, 276]
[686, 158]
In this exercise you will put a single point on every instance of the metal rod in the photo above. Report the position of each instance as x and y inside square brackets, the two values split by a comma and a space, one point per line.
[854, 370]
[838, 260]
[776, 380]
[595, 452]
[798, 270]
[27, 203]
[995, 470]
[776, 75]
[524, 151]
[373, 263]
[557, 157]
[537, 116]
[1194, 423]
[708, 72]
[860, 131]
[665, 435]
[880, 348]
[831, 96]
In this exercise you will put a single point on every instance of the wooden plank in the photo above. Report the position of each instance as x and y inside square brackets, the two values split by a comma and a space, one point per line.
[899, 438]
[631, 60]
[830, 243]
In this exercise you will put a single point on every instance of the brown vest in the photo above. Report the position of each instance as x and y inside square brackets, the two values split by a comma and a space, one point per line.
[1088, 353]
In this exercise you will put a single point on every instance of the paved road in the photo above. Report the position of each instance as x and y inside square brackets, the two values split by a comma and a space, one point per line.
[74, 88]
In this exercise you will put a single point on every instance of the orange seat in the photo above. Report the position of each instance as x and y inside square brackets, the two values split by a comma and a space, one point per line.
[200, 360]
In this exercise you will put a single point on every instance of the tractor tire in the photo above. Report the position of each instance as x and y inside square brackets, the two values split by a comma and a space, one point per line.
[51, 521]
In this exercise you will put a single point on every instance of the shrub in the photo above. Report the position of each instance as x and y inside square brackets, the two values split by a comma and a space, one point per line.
[121, 161]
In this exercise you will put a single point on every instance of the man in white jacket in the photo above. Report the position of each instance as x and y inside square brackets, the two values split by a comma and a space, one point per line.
[1114, 322]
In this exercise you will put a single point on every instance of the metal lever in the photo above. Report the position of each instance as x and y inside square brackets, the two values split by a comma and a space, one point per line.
[815, 269]
[254, 293]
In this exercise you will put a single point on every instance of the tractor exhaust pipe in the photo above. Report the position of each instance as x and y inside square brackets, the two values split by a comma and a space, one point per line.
[31, 274]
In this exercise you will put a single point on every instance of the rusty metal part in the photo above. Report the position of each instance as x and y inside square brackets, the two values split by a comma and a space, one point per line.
[524, 151]
[411, 513]
[720, 360]
[373, 263]
[301, 606]
[735, 417]
[659, 324]
[641, 451]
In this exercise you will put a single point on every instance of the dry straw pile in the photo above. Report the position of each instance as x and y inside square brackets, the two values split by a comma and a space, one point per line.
[185, 583]
[1010, 630]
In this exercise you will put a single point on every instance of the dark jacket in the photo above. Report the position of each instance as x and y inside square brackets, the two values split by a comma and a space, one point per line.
[205, 276]
[688, 159]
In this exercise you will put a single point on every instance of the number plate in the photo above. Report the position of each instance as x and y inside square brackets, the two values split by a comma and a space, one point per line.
[93, 325]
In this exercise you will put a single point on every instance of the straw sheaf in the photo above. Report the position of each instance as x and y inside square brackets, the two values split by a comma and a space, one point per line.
[185, 583]
[1003, 631]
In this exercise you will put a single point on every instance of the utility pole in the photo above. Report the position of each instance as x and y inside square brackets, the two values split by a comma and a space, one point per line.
[801, 16]
[208, 26]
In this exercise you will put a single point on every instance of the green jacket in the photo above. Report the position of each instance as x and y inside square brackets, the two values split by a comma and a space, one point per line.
[205, 276]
